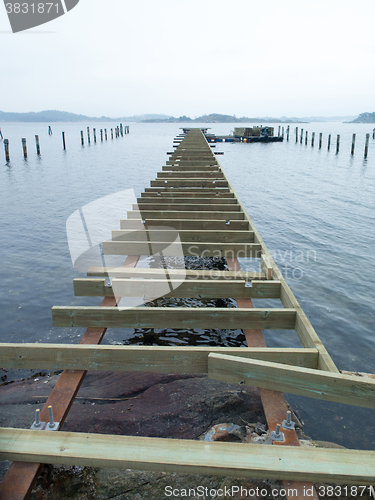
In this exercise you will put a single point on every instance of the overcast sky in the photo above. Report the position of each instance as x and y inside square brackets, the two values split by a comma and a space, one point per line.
[248, 58]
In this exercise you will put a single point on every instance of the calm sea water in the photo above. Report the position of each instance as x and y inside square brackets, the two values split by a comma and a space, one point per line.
[314, 209]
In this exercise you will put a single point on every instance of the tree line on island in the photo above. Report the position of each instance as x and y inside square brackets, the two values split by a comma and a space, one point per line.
[64, 116]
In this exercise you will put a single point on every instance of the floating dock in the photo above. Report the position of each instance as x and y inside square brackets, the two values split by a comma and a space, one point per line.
[190, 210]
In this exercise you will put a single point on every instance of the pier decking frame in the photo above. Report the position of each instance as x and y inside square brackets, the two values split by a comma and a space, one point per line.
[192, 179]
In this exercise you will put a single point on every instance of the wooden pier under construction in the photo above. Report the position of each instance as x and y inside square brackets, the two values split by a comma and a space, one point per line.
[191, 209]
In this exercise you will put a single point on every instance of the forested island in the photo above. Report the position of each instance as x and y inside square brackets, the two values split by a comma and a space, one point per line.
[365, 118]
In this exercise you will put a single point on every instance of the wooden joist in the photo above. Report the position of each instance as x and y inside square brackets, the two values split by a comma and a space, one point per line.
[173, 317]
[180, 274]
[194, 457]
[184, 214]
[185, 223]
[170, 359]
[218, 207]
[166, 234]
[210, 289]
[302, 381]
[192, 249]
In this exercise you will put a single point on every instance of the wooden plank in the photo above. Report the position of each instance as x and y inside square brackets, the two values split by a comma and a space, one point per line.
[173, 317]
[190, 174]
[302, 381]
[215, 200]
[185, 223]
[173, 168]
[195, 249]
[218, 207]
[165, 234]
[194, 457]
[207, 193]
[214, 190]
[266, 266]
[181, 214]
[146, 273]
[170, 359]
[190, 288]
[186, 183]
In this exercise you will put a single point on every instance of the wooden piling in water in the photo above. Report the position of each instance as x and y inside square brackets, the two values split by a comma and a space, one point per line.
[282, 132]
[105, 133]
[320, 140]
[101, 134]
[63, 139]
[6, 148]
[49, 130]
[329, 142]
[88, 135]
[353, 145]
[301, 138]
[278, 132]
[287, 133]
[111, 133]
[306, 137]
[82, 139]
[338, 143]
[37, 144]
[94, 132]
[373, 133]
[366, 145]
[24, 147]
[312, 139]
[121, 130]
[296, 134]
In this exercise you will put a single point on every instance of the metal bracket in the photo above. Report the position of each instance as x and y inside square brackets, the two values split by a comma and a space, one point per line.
[288, 424]
[277, 435]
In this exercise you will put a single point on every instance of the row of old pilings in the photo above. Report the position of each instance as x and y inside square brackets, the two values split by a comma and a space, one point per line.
[118, 131]
[301, 139]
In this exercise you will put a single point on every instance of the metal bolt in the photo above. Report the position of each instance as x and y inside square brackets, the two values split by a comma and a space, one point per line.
[288, 424]
[51, 422]
[37, 418]
[277, 435]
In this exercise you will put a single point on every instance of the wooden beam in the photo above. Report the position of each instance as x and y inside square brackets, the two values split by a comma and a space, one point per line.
[146, 273]
[210, 289]
[194, 457]
[165, 234]
[182, 214]
[214, 200]
[186, 183]
[190, 174]
[194, 249]
[170, 359]
[185, 223]
[207, 193]
[302, 381]
[173, 317]
[186, 207]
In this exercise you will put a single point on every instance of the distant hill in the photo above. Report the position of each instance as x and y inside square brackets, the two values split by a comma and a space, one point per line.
[218, 118]
[365, 118]
[65, 116]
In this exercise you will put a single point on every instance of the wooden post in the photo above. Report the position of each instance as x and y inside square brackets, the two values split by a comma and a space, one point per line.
[353, 144]
[105, 133]
[287, 133]
[111, 133]
[121, 130]
[63, 139]
[94, 132]
[49, 130]
[296, 134]
[1, 134]
[320, 140]
[329, 142]
[6, 147]
[338, 143]
[373, 133]
[278, 132]
[312, 138]
[82, 139]
[101, 134]
[88, 135]
[37, 144]
[301, 136]
[306, 137]
[282, 132]
[24, 148]
[366, 145]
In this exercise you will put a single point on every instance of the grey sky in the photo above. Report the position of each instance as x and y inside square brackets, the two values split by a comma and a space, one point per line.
[249, 58]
